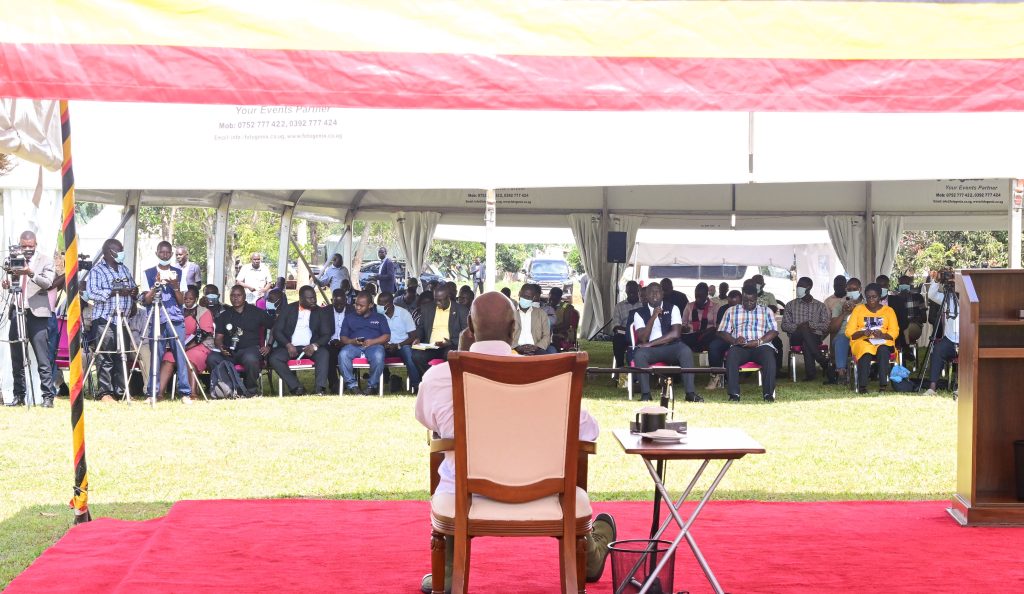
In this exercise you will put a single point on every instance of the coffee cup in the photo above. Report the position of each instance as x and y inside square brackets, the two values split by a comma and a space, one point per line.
[651, 418]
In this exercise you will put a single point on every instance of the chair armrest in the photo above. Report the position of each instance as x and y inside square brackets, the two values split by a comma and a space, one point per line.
[438, 446]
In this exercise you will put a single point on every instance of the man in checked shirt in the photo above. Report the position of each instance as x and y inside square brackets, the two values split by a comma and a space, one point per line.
[749, 330]
[112, 290]
[807, 320]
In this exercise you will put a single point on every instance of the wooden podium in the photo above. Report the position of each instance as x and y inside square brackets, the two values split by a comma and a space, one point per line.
[990, 408]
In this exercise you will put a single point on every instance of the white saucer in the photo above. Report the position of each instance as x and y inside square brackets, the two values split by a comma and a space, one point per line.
[664, 436]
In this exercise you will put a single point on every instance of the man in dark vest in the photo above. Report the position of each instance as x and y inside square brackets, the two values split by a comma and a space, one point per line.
[657, 328]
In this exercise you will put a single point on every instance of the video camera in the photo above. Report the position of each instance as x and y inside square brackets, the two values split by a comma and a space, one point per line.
[16, 260]
[946, 276]
[84, 263]
[120, 284]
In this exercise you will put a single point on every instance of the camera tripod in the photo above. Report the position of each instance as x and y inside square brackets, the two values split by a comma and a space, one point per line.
[121, 329]
[157, 312]
[949, 301]
[15, 301]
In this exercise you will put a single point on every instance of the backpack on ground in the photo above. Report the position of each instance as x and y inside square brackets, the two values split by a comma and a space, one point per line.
[225, 383]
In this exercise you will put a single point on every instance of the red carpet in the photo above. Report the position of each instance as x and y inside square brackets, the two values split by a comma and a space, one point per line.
[359, 546]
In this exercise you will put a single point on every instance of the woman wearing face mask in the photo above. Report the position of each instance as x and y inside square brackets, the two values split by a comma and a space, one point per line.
[198, 340]
[872, 329]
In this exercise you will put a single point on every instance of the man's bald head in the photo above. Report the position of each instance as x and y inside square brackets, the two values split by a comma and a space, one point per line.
[492, 317]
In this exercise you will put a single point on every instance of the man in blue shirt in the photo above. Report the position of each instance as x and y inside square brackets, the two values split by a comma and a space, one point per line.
[363, 335]
[165, 280]
[403, 334]
[112, 290]
[333, 275]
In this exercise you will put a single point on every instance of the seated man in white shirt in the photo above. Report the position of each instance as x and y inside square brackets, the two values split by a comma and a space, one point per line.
[491, 328]
[533, 329]
[302, 331]
[657, 333]
[403, 334]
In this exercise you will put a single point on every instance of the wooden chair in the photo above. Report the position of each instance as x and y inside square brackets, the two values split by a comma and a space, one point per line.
[501, 490]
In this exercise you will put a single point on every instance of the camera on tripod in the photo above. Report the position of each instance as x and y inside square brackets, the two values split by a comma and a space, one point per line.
[946, 276]
[84, 263]
[16, 260]
[120, 284]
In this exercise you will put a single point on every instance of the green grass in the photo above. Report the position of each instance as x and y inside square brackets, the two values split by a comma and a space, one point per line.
[824, 443]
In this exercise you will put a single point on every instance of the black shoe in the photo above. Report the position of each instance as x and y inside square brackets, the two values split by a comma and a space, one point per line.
[371, 390]
[47, 402]
[830, 381]
[18, 401]
[883, 388]
[645, 397]
[734, 397]
[862, 390]
[63, 390]
[769, 397]
[300, 391]
[694, 397]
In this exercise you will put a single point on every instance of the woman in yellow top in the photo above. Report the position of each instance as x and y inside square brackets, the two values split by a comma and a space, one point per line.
[872, 329]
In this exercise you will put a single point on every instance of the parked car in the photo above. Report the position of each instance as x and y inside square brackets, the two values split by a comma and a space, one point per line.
[549, 273]
[368, 274]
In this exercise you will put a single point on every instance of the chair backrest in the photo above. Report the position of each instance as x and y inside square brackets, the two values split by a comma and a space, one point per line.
[516, 425]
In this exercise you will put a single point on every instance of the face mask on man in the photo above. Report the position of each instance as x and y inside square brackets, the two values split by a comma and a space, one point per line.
[904, 288]
[166, 262]
[801, 292]
[885, 292]
[525, 303]
[212, 299]
[853, 295]
[382, 310]
[119, 257]
[271, 306]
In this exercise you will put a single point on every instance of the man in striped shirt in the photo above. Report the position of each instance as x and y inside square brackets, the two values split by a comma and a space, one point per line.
[749, 330]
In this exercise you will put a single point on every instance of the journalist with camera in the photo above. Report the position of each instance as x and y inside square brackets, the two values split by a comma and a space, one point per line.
[164, 287]
[943, 293]
[112, 290]
[28, 276]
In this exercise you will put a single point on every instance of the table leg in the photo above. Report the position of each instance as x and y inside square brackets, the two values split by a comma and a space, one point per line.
[685, 527]
[656, 516]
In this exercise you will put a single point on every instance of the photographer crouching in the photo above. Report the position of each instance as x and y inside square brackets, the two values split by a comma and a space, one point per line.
[29, 276]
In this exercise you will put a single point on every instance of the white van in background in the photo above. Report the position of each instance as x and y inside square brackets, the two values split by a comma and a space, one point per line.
[778, 281]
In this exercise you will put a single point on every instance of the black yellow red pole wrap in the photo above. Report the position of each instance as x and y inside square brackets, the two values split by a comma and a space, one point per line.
[80, 501]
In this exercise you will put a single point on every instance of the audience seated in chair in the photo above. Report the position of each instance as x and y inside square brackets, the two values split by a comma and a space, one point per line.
[699, 320]
[946, 348]
[840, 314]
[621, 322]
[672, 296]
[911, 311]
[872, 330]
[749, 330]
[198, 341]
[403, 335]
[657, 327]
[491, 330]
[441, 321]
[241, 332]
[567, 320]
[339, 309]
[718, 346]
[837, 297]
[302, 331]
[807, 322]
[533, 329]
[363, 335]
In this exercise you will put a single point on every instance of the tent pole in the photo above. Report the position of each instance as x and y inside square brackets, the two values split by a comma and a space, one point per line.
[869, 237]
[73, 328]
[284, 241]
[490, 249]
[1016, 204]
[216, 273]
[132, 203]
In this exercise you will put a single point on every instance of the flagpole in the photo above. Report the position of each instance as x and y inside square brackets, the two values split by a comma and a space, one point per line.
[80, 500]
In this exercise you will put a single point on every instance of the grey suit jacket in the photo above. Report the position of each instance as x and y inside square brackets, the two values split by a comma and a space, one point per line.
[37, 300]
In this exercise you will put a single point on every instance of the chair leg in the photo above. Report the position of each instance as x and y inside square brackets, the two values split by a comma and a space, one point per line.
[280, 388]
[568, 568]
[760, 380]
[437, 562]
[629, 385]
[460, 566]
[792, 366]
[581, 565]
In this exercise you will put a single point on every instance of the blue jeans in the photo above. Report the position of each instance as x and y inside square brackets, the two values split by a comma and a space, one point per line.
[167, 339]
[374, 354]
[405, 352]
[842, 350]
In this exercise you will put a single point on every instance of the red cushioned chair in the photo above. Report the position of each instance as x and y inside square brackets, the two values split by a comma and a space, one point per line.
[294, 365]
[798, 350]
[364, 363]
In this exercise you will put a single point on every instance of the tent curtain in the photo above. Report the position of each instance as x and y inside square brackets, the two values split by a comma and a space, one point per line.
[847, 235]
[887, 231]
[586, 230]
[415, 234]
[31, 130]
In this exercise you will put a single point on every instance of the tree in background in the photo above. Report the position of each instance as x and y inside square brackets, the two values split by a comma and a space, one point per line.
[922, 251]
[452, 258]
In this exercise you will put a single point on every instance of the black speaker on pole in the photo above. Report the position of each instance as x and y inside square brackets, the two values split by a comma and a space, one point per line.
[616, 247]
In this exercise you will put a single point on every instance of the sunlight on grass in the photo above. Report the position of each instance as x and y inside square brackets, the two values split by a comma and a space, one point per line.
[824, 443]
